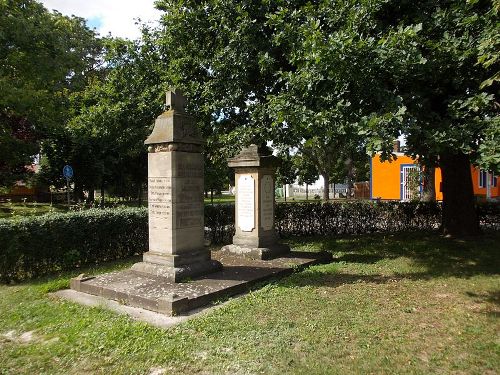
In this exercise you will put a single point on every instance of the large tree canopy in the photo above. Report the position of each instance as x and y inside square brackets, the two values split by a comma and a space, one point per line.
[453, 116]
[110, 120]
[346, 75]
[44, 56]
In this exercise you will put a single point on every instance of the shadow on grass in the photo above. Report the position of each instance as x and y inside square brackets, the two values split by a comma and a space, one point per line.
[492, 297]
[53, 282]
[439, 256]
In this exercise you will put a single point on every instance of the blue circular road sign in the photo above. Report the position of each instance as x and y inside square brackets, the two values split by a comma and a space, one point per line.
[67, 171]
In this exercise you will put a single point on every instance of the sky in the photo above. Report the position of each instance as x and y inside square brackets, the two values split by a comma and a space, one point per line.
[115, 16]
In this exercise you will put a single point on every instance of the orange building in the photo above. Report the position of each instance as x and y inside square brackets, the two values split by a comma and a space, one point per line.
[399, 180]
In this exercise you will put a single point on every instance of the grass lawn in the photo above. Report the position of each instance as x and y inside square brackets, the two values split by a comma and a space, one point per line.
[13, 210]
[217, 199]
[405, 303]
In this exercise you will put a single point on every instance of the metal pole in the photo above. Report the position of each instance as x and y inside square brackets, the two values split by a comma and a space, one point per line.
[67, 186]
[488, 185]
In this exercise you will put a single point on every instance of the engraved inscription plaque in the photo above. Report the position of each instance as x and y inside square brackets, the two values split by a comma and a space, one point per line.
[160, 202]
[266, 202]
[246, 203]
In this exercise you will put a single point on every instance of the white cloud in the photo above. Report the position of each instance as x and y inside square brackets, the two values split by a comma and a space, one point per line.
[115, 16]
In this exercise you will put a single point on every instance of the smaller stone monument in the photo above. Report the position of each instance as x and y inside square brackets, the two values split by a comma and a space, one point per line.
[255, 236]
[175, 198]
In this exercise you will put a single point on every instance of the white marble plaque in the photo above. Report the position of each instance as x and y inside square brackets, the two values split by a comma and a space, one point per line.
[246, 203]
[266, 203]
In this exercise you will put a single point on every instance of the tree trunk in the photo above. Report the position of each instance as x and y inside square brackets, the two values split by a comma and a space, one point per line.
[307, 192]
[139, 194]
[102, 195]
[326, 186]
[212, 196]
[91, 195]
[429, 188]
[459, 213]
[350, 174]
[78, 192]
[284, 191]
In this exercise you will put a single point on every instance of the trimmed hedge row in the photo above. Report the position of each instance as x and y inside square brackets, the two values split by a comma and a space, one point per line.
[219, 223]
[355, 217]
[37, 245]
[34, 246]
[351, 217]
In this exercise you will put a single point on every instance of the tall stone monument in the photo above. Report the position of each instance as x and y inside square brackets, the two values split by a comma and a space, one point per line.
[175, 196]
[255, 236]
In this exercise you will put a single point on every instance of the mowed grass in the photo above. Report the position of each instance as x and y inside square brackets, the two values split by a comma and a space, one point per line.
[16, 210]
[404, 303]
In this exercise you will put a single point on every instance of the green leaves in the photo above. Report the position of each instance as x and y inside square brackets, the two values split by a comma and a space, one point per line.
[44, 57]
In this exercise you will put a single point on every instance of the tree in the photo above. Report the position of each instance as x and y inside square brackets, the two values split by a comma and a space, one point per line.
[282, 71]
[286, 173]
[111, 118]
[44, 57]
[216, 169]
[451, 116]
[307, 172]
[346, 75]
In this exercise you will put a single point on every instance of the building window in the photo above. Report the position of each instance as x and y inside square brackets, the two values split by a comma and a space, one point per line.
[482, 178]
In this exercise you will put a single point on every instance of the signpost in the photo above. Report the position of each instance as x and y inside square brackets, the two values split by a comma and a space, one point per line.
[68, 174]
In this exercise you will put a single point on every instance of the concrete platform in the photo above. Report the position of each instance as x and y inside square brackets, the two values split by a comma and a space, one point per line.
[169, 298]
[136, 313]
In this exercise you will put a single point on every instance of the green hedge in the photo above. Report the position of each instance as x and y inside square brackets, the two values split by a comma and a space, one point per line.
[38, 245]
[349, 217]
[34, 246]
[355, 217]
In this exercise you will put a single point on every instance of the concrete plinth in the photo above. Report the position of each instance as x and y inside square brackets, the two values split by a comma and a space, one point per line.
[177, 273]
[263, 253]
[148, 291]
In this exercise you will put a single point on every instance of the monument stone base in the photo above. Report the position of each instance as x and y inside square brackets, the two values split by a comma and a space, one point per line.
[177, 267]
[154, 293]
[260, 253]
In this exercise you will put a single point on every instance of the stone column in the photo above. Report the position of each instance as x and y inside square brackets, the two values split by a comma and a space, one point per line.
[175, 198]
[255, 236]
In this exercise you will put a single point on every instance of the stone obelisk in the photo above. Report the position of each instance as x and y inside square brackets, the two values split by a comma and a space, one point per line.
[175, 197]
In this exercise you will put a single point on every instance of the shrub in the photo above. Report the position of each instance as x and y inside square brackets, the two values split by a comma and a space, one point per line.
[350, 217]
[355, 217]
[489, 215]
[219, 223]
[33, 246]
[36, 245]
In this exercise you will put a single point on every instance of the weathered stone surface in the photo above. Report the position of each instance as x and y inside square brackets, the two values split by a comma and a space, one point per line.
[172, 298]
[174, 125]
[274, 250]
[180, 273]
[267, 202]
[175, 198]
[255, 236]
[254, 156]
